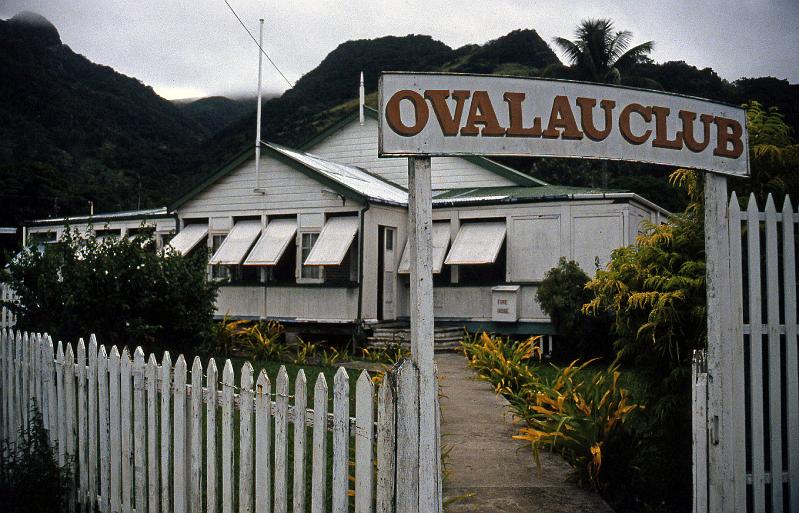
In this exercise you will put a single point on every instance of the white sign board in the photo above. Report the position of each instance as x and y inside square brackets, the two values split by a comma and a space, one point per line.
[433, 114]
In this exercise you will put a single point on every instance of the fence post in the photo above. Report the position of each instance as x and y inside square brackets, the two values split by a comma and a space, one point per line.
[196, 435]
[245, 438]
[227, 437]
[82, 428]
[407, 491]
[166, 432]
[210, 437]
[125, 427]
[699, 428]
[719, 357]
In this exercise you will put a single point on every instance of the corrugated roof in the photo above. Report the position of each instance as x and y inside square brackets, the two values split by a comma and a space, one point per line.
[356, 179]
[510, 194]
[128, 214]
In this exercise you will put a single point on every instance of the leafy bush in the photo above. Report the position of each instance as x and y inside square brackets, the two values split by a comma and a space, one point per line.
[578, 413]
[577, 417]
[120, 289]
[562, 295]
[31, 481]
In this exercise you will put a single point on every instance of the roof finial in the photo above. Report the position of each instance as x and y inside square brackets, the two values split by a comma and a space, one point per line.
[361, 102]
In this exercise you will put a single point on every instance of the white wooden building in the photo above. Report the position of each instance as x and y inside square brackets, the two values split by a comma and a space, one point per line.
[319, 237]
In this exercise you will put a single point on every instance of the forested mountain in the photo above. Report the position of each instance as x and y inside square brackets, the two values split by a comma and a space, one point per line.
[216, 112]
[72, 131]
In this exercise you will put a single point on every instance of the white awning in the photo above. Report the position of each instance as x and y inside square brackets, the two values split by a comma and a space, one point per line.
[188, 237]
[334, 241]
[440, 245]
[237, 243]
[477, 243]
[273, 242]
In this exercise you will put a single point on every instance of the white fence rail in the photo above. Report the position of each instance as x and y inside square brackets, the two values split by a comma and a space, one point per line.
[150, 437]
[764, 410]
[7, 318]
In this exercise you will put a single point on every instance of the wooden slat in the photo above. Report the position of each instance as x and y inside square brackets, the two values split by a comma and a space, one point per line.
[70, 417]
[125, 426]
[179, 476]
[166, 432]
[364, 435]
[319, 466]
[791, 357]
[104, 434]
[246, 404]
[153, 464]
[738, 407]
[281, 441]
[139, 432]
[407, 493]
[62, 414]
[227, 437]
[115, 446]
[755, 359]
[300, 403]
[211, 503]
[83, 422]
[774, 373]
[93, 423]
[263, 495]
[341, 441]
[5, 390]
[19, 409]
[196, 435]
[699, 429]
[24, 380]
[37, 361]
[386, 445]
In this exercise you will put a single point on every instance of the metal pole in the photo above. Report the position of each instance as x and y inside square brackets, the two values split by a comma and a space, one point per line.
[420, 227]
[258, 109]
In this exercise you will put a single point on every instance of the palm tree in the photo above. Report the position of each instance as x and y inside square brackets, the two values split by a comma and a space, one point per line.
[599, 53]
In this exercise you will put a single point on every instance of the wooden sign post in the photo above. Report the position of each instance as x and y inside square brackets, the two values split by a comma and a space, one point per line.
[420, 230]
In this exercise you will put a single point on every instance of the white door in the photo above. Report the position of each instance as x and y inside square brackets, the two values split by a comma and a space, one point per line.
[389, 273]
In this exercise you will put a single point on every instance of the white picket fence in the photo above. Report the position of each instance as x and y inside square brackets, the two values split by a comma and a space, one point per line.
[763, 404]
[7, 318]
[155, 438]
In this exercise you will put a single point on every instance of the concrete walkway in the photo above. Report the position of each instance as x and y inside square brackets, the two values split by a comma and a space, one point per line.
[488, 471]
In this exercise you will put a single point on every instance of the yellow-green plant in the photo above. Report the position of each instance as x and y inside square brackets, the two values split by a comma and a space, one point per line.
[305, 350]
[576, 414]
[502, 362]
[261, 340]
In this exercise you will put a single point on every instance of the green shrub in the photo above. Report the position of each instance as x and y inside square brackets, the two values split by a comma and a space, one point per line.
[122, 290]
[562, 295]
[31, 481]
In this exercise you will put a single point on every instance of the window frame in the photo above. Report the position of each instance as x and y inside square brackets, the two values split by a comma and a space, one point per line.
[301, 258]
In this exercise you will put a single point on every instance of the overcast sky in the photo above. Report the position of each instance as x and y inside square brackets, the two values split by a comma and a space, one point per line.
[191, 48]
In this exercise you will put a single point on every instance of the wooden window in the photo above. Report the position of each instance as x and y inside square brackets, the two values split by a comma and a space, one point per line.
[308, 273]
[218, 272]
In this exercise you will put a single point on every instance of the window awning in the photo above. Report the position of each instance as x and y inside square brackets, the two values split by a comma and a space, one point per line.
[334, 241]
[188, 237]
[273, 242]
[440, 245]
[477, 243]
[237, 243]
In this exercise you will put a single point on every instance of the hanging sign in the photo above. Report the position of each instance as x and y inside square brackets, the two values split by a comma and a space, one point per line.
[433, 114]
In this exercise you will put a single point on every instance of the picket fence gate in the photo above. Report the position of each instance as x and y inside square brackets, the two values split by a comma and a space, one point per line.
[761, 355]
[155, 438]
